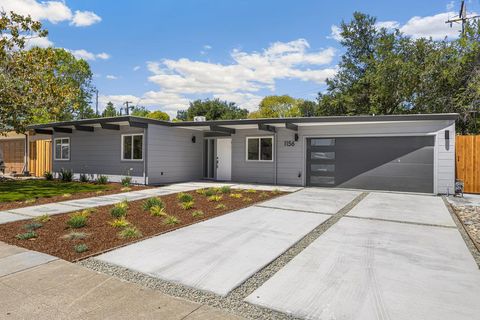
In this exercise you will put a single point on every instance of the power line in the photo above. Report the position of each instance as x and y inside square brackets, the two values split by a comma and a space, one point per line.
[462, 17]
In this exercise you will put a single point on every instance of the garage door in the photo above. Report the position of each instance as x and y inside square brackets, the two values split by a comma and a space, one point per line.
[376, 163]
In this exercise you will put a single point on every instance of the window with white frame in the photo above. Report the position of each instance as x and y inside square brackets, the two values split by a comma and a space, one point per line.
[132, 147]
[260, 149]
[62, 149]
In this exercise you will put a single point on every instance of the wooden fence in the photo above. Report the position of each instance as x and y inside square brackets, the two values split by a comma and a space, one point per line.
[467, 155]
[40, 157]
[13, 154]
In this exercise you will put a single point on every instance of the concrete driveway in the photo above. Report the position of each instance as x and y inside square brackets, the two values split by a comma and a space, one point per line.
[389, 256]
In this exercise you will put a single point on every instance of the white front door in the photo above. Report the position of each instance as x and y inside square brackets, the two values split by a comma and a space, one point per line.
[224, 159]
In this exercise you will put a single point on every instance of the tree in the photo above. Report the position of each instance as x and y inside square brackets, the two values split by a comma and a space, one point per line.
[307, 108]
[144, 112]
[277, 107]
[109, 110]
[213, 110]
[38, 85]
[139, 111]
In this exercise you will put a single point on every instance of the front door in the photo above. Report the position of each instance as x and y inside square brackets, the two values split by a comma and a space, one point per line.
[224, 159]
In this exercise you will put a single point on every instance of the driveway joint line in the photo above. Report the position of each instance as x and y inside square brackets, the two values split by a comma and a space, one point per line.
[233, 302]
[297, 210]
[404, 222]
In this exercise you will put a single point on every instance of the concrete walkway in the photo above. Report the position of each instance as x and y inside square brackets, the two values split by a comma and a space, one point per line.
[35, 285]
[80, 204]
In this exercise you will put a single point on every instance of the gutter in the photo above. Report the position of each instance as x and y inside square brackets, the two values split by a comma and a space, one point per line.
[145, 148]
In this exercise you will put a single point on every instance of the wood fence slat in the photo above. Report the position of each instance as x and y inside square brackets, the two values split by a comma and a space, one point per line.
[40, 157]
[467, 161]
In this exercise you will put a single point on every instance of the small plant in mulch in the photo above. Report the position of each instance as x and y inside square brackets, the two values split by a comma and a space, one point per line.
[197, 213]
[26, 235]
[126, 181]
[32, 226]
[171, 220]
[119, 210]
[263, 195]
[158, 211]
[220, 206]
[74, 235]
[276, 191]
[83, 178]
[184, 197]
[209, 192]
[99, 192]
[125, 189]
[250, 191]
[102, 179]
[187, 205]
[151, 202]
[215, 198]
[201, 191]
[119, 223]
[77, 220]
[43, 218]
[66, 195]
[79, 248]
[130, 232]
[30, 201]
[48, 175]
[236, 195]
[225, 189]
[247, 199]
[66, 175]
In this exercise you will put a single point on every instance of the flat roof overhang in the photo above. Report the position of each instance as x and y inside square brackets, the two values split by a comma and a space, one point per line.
[229, 126]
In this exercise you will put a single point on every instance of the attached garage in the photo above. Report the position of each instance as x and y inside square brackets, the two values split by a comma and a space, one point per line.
[374, 163]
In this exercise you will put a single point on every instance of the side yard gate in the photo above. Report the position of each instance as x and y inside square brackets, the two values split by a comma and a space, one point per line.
[467, 158]
[40, 157]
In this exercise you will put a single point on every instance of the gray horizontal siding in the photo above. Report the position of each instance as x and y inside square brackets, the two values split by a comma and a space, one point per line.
[98, 152]
[172, 156]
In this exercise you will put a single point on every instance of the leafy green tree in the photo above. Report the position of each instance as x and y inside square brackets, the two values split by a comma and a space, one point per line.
[109, 110]
[139, 111]
[307, 108]
[277, 107]
[158, 115]
[213, 110]
[38, 85]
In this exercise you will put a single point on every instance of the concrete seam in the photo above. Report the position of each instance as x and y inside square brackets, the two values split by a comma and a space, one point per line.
[403, 222]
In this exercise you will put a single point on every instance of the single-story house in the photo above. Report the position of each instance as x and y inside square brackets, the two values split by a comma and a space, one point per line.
[414, 153]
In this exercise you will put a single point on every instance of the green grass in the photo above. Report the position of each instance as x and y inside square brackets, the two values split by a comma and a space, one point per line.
[31, 189]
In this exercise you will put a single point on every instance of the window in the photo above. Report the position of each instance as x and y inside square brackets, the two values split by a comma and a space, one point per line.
[132, 147]
[62, 149]
[260, 149]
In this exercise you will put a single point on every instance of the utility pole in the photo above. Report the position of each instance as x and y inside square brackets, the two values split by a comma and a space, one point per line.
[462, 17]
[127, 108]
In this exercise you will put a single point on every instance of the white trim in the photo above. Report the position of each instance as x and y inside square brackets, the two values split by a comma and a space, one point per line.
[61, 144]
[121, 146]
[113, 177]
[259, 148]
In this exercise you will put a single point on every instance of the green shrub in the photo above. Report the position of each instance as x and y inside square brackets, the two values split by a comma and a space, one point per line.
[66, 175]
[26, 235]
[250, 191]
[151, 202]
[197, 213]
[184, 197]
[247, 199]
[119, 210]
[276, 191]
[43, 218]
[171, 220]
[79, 248]
[220, 206]
[126, 181]
[236, 195]
[187, 205]
[130, 232]
[263, 195]
[75, 235]
[158, 211]
[215, 198]
[209, 192]
[225, 189]
[84, 177]
[32, 226]
[101, 179]
[201, 191]
[48, 175]
[66, 195]
[119, 223]
[77, 220]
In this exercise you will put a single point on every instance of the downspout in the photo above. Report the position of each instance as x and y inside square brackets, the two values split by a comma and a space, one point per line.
[276, 157]
[145, 152]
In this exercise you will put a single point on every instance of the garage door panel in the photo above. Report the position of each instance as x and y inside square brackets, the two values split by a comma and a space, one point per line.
[377, 163]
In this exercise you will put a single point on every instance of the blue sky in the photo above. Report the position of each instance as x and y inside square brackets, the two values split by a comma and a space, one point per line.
[162, 54]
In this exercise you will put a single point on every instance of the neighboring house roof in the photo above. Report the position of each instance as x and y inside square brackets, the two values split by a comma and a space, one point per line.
[143, 122]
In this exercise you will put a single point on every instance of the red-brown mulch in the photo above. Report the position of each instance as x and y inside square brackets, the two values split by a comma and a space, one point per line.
[102, 236]
[111, 188]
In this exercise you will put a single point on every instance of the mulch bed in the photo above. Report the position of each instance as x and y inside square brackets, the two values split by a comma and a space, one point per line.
[102, 236]
[111, 188]
[470, 218]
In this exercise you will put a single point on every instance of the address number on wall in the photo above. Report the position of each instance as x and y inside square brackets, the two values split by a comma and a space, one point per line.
[289, 143]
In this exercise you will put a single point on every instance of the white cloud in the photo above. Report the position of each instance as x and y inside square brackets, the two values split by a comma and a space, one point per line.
[85, 19]
[53, 11]
[111, 77]
[431, 26]
[136, 68]
[387, 24]
[207, 47]
[335, 33]
[89, 56]
[41, 42]
[450, 5]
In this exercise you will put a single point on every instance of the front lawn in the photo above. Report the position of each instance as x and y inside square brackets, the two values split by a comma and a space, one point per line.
[21, 190]
[81, 234]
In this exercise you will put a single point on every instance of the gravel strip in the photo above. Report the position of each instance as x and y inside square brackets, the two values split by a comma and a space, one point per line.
[467, 219]
[233, 302]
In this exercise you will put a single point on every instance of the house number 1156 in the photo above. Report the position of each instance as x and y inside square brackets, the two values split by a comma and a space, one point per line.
[289, 143]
